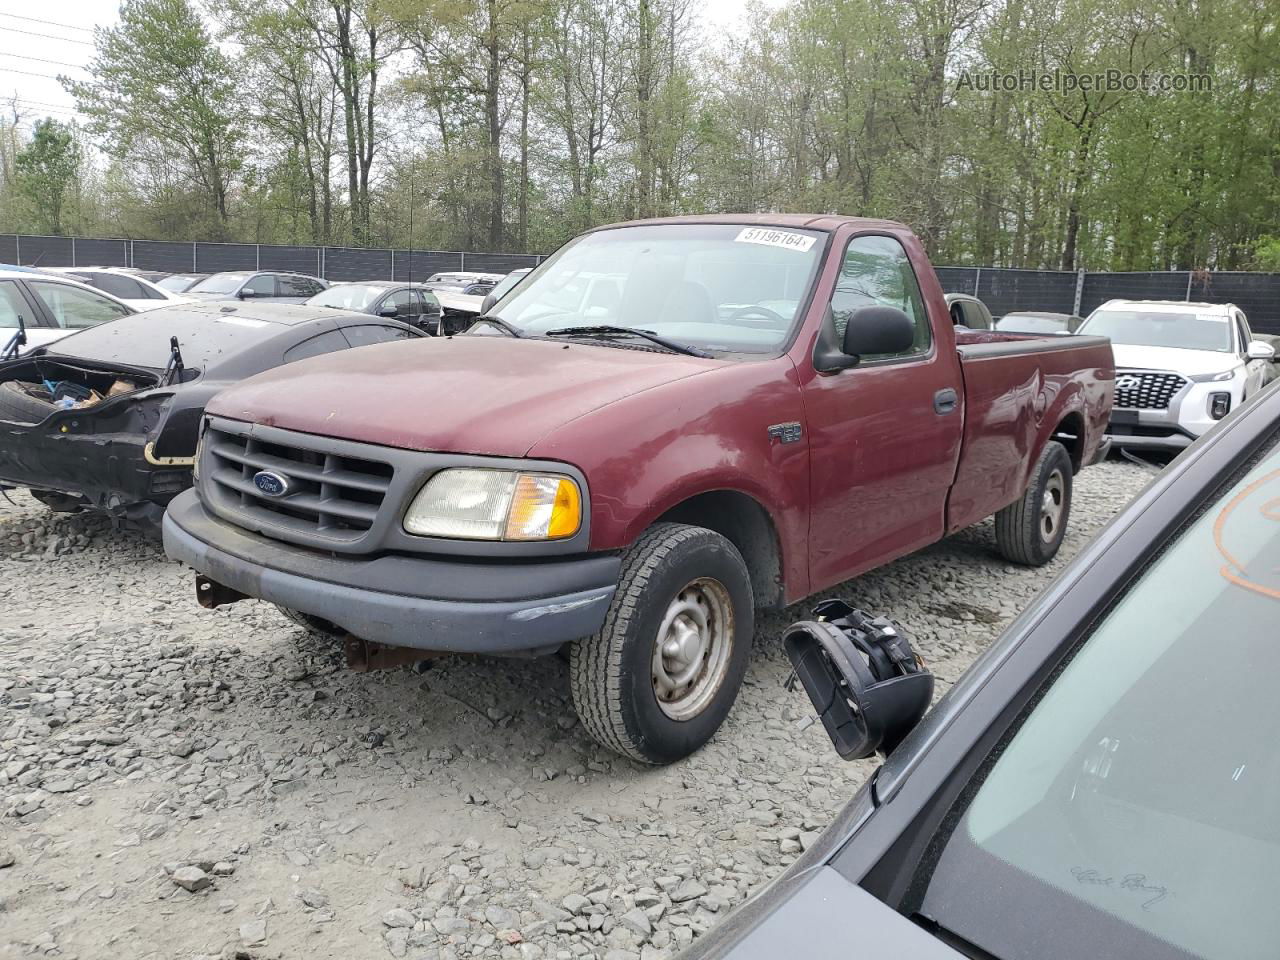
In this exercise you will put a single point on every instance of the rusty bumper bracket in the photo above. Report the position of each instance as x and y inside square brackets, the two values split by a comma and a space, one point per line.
[365, 655]
[210, 593]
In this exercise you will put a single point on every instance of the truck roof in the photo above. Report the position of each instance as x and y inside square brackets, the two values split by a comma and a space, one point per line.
[805, 221]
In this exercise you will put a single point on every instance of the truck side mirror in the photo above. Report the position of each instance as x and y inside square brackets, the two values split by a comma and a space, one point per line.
[873, 330]
[487, 303]
[866, 683]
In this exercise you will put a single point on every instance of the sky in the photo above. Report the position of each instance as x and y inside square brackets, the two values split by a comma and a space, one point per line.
[39, 41]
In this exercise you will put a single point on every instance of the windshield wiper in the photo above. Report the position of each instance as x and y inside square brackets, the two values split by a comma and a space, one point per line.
[500, 324]
[174, 368]
[608, 331]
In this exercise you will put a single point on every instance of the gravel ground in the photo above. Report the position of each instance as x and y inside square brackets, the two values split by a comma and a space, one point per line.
[184, 783]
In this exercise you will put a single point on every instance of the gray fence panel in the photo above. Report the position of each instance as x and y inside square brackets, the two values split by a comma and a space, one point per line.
[1257, 294]
[499, 262]
[296, 259]
[102, 253]
[1007, 290]
[45, 251]
[217, 257]
[423, 263]
[356, 263]
[163, 255]
[958, 279]
[1101, 287]
[8, 248]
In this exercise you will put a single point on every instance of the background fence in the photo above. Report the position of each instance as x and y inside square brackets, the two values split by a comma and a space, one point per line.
[332, 263]
[1002, 289]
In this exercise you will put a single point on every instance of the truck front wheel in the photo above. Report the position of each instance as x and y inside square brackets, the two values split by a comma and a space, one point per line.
[659, 677]
[1030, 530]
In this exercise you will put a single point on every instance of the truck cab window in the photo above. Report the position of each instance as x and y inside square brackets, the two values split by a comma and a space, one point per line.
[876, 272]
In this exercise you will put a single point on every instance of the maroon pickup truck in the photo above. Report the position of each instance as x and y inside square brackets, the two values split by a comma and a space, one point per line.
[668, 425]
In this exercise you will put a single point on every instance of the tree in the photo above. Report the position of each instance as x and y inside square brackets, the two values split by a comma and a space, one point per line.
[161, 86]
[45, 171]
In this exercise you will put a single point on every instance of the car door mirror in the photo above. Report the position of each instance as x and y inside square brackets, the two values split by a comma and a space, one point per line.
[389, 310]
[878, 330]
[247, 293]
[866, 683]
[1261, 350]
[487, 303]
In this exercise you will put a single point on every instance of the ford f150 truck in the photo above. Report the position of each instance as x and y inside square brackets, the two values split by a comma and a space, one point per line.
[668, 425]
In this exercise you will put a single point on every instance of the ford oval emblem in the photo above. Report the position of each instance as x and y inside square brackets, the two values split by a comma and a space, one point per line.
[271, 484]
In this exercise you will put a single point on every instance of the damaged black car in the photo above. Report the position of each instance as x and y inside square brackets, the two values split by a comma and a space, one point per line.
[109, 417]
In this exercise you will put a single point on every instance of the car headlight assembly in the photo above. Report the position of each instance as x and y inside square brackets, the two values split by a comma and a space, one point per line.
[464, 503]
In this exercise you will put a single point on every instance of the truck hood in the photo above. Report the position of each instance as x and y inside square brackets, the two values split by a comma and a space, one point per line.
[472, 394]
[1187, 362]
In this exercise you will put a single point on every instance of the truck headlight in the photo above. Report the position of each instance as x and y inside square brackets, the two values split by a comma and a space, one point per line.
[478, 504]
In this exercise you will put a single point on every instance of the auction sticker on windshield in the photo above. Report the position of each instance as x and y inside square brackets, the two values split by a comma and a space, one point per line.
[776, 238]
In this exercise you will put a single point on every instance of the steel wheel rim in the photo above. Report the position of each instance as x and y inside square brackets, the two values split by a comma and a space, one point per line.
[692, 648]
[1052, 503]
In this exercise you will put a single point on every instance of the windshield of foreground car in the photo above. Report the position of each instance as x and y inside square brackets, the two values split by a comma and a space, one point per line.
[347, 296]
[1136, 807]
[726, 287]
[1149, 328]
[220, 283]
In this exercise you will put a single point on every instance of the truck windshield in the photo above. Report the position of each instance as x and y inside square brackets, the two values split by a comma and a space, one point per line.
[1134, 812]
[722, 287]
[1150, 328]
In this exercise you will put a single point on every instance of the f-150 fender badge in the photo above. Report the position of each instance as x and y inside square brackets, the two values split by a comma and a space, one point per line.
[786, 432]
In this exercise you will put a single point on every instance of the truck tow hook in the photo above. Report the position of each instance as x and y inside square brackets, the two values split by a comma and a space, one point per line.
[365, 655]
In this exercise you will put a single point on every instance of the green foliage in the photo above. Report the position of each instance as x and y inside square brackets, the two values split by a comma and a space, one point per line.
[516, 124]
[45, 172]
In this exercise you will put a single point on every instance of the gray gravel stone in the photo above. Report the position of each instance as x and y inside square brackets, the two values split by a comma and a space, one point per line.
[191, 879]
[184, 741]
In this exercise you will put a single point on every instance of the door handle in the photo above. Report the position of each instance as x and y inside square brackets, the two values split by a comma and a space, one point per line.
[944, 401]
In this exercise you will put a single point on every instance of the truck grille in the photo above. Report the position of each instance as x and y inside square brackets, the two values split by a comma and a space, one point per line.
[1145, 390]
[334, 496]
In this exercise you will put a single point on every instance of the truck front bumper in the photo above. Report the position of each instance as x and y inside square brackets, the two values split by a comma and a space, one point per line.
[424, 602]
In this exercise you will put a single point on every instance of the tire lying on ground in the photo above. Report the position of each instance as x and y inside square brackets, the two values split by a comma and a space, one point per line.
[659, 677]
[312, 623]
[18, 405]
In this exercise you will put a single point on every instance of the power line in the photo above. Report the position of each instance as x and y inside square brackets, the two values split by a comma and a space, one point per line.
[29, 73]
[47, 23]
[49, 36]
[56, 63]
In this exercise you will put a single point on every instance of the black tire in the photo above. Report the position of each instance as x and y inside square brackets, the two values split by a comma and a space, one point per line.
[311, 623]
[615, 675]
[1030, 530]
[19, 406]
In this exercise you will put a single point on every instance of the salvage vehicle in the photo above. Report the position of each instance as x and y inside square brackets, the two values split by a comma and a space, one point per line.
[136, 291]
[37, 308]
[271, 285]
[969, 312]
[1100, 782]
[180, 282]
[664, 427]
[411, 303]
[503, 287]
[1180, 368]
[108, 418]
[1038, 321]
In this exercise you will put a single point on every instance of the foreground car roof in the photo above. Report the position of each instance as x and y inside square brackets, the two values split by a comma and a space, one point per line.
[805, 221]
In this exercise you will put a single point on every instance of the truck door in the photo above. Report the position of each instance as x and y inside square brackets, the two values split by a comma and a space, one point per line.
[884, 435]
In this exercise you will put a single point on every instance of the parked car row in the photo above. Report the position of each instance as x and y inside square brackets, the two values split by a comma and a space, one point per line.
[1181, 366]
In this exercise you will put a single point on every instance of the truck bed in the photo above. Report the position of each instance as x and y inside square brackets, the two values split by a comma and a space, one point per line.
[1021, 390]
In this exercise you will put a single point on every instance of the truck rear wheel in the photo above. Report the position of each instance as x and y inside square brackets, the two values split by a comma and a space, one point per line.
[1030, 530]
[660, 676]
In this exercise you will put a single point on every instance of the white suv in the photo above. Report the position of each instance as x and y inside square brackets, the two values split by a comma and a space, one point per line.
[1180, 367]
